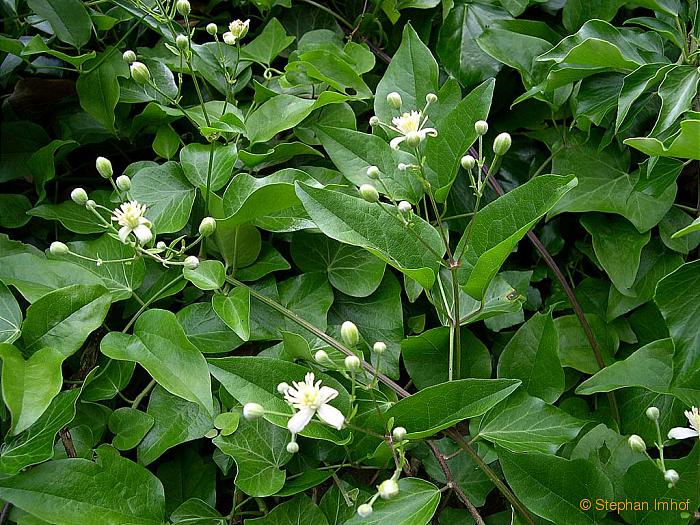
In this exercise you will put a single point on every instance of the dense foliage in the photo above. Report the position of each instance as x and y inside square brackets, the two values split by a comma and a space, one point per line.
[387, 262]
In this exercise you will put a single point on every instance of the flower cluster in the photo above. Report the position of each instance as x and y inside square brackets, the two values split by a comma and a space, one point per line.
[237, 30]
[131, 217]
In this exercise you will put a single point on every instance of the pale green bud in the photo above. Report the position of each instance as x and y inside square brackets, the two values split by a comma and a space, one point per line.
[292, 447]
[405, 207]
[481, 127]
[352, 363]
[140, 73]
[123, 183]
[431, 98]
[79, 196]
[374, 121]
[379, 347]
[373, 172]
[399, 434]
[212, 28]
[672, 477]
[91, 204]
[183, 7]
[191, 263]
[182, 42]
[413, 139]
[58, 248]
[104, 167]
[349, 333]
[467, 162]
[365, 510]
[394, 100]
[229, 39]
[501, 144]
[129, 56]
[253, 411]
[401, 166]
[321, 357]
[652, 413]
[207, 226]
[282, 388]
[636, 443]
[369, 193]
[388, 489]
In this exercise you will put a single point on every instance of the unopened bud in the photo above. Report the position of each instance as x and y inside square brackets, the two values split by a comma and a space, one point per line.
[282, 388]
[672, 477]
[636, 443]
[467, 162]
[349, 333]
[388, 489]
[292, 447]
[123, 183]
[229, 39]
[182, 42]
[369, 193]
[399, 434]
[501, 144]
[58, 248]
[191, 263]
[374, 121]
[352, 363]
[413, 139]
[379, 347]
[91, 204]
[394, 100]
[365, 510]
[129, 56]
[373, 172]
[183, 7]
[431, 98]
[104, 167]
[212, 28]
[140, 73]
[481, 127]
[401, 166]
[653, 413]
[405, 207]
[207, 226]
[161, 245]
[79, 196]
[253, 411]
[321, 357]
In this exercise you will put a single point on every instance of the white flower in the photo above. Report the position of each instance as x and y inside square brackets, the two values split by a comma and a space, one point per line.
[410, 126]
[238, 29]
[310, 398]
[130, 216]
[693, 416]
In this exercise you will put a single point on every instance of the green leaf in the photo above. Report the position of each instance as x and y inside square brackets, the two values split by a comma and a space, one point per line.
[412, 73]
[532, 355]
[188, 475]
[175, 421]
[194, 159]
[120, 491]
[523, 423]
[110, 378]
[64, 318]
[73, 217]
[98, 89]
[28, 387]
[298, 511]
[553, 487]
[415, 504]
[37, 46]
[205, 329]
[234, 310]
[10, 316]
[677, 91]
[167, 193]
[159, 345]
[129, 427]
[196, 512]
[350, 270]
[255, 380]
[684, 144]
[634, 85]
[209, 275]
[269, 260]
[693, 227]
[13, 210]
[618, 247]
[438, 407]
[68, 18]
[426, 357]
[259, 450]
[360, 223]
[574, 349]
[455, 137]
[272, 40]
[499, 226]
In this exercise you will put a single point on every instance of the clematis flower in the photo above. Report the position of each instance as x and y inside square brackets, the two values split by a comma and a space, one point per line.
[693, 416]
[237, 30]
[130, 216]
[311, 398]
[410, 126]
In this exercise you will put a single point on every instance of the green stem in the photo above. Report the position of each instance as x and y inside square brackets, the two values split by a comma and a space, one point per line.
[143, 394]
[149, 302]
[456, 363]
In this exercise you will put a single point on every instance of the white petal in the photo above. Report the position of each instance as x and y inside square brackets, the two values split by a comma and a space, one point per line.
[332, 416]
[326, 394]
[124, 232]
[682, 433]
[298, 421]
[143, 233]
[396, 142]
[431, 132]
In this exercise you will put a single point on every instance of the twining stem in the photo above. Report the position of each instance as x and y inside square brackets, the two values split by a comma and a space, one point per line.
[143, 394]
[456, 360]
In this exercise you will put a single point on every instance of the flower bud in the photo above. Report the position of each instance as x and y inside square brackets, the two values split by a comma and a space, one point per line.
[140, 73]
[321, 357]
[672, 477]
[369, 193]
[129, 56]
[501, 144]
[212, 28]
[405, 207]
[182, 42]
[374, 121]
[373, 172]
[636, 443]
[292, 447]
[481, 127]
[239, 29]
[388, 489]
[207, 226]
[401, 166]
[79, 196]
[352, 363]
[365, 510]
[399, 434]
[91, 204]
[653, 413]
[349, 333]
[161, 245]
[467, 162]
[282, 388]
[183, 7]
[394, 100]
[379, 347]
[431, 98]
[123, 183]
[191, 263]
[229, 39]
[58, 248]
[413, 139]
[104, 167]
[253, 411]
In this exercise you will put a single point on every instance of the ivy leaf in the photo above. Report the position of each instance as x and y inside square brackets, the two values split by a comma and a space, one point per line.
[415, 504]
[68, 18]
[268, 44]
[684, 144]
[129, 427]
